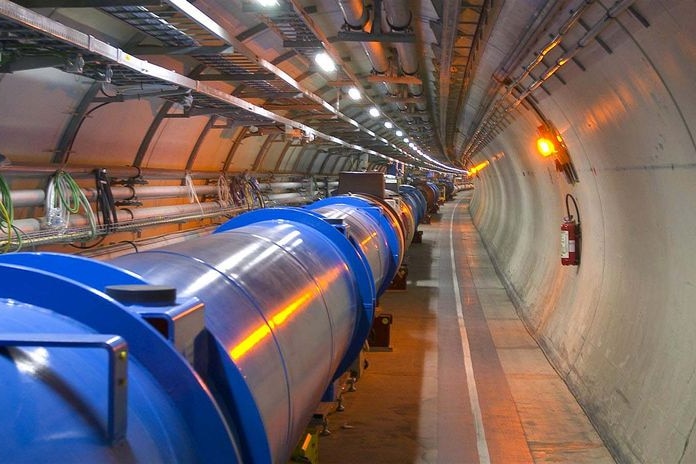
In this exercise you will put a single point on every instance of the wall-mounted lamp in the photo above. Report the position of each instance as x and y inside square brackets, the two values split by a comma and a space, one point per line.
[479, 167]
[545, 147]
[550, 143]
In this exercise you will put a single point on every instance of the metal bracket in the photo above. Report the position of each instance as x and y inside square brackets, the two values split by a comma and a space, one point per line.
[117, 351]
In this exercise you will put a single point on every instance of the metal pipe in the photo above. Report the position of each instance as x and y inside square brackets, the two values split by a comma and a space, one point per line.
[33, 231]
[36, 197]
[287, 197]
[356, 16]
[281, 185]
[398, 18]
[117, 172]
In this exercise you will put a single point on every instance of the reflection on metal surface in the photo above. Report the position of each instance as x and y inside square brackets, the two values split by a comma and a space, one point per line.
[266, 329]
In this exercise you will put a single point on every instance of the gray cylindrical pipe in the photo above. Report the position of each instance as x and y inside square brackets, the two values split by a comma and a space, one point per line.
[22, 198]
[285, 197]
[398, 18]
[30, 225]
[36, 197]
[357, 18]
[276, 186]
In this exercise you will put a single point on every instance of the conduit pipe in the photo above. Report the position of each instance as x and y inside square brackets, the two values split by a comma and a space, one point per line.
[115, 172]
[36, 197]
[33, 232]
[357, 18]
[121, 172]
[398, 19]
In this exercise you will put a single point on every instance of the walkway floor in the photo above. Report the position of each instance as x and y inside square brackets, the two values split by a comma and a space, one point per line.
[465, 382]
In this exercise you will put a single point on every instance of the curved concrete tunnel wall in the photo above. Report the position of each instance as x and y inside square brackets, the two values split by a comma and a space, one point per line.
[621, 327]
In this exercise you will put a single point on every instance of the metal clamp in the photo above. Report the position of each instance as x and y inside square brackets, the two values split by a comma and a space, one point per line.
[117, 351]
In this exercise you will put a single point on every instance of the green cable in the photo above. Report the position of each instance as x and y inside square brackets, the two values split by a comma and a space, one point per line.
[71, 197]
[6, 213]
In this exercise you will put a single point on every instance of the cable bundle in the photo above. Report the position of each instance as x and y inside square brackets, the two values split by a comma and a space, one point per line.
[246, 192]
[223, 190]
[65, 197]
[7, 216]
[105, 199]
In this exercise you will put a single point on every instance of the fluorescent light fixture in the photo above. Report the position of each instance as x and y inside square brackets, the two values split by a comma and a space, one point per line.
[374, 112]
[325, 62]
[399, 133]
[354, 93]
[388, 124]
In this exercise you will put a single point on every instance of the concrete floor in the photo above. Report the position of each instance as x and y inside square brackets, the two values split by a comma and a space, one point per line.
[465, 382]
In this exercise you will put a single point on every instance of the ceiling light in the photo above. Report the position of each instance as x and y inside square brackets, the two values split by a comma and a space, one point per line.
[388, 124]
[325, 62]
[374, 112]
[405, 139]
[354, 93]
[267, 3]
[399, 133]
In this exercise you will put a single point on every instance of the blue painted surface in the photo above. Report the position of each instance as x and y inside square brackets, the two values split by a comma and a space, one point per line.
[171, 417]
[288, 297]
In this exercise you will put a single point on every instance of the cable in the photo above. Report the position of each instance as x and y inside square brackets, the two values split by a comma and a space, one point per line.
[223, 190]
[7, 215]
[64, 197]
[99, 241]
[256, 189]
[105, 199]
[68, 149]
[577, 211]
[193, 196]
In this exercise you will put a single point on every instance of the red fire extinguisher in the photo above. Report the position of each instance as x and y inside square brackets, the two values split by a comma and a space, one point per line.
[570, 236]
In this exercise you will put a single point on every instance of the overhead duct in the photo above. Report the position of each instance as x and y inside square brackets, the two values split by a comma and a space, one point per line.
[398, 19]
[358, 19]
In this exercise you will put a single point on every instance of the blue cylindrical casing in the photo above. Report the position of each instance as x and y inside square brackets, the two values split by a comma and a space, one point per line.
[289, 300]
[417, 201]
[432, 195]
[55, 385]
[285, 308]
[371, 230]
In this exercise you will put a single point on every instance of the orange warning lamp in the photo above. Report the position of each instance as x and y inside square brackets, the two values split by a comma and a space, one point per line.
[545, 146]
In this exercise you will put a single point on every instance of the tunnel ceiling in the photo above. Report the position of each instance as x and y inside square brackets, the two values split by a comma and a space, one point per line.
[441, 72]
[252, 67]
